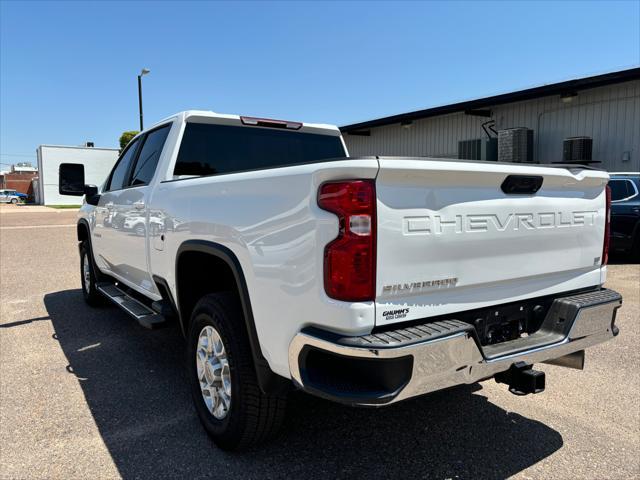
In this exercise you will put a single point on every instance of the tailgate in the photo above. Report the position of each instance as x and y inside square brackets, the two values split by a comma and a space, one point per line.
[449, 239]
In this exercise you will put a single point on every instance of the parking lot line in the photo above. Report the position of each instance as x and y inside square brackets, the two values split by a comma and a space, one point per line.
[26, 227]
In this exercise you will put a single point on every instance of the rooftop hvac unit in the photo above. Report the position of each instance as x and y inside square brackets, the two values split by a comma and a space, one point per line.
[515, 145]
[577, 149]
[478, 149]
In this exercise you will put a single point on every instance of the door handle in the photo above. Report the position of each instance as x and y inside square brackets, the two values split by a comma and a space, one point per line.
[139, 205]
[109, 205]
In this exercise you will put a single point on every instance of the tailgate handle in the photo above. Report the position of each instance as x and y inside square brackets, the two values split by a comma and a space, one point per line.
[521, 184]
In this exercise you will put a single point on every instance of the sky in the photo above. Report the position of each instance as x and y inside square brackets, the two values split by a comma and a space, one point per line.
[68, 69]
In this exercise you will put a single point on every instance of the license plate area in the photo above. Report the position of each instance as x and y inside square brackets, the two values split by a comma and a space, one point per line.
[509, 322]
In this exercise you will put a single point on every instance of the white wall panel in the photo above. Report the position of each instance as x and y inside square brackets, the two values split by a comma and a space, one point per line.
[97, 162]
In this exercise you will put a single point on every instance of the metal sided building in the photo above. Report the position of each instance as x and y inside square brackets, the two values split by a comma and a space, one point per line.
[97, 162]
[593, 120]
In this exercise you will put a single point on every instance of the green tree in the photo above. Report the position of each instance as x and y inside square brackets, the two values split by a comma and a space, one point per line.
[126, 137]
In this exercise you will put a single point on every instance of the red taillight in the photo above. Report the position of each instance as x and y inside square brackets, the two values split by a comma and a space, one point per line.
[350, 259]
[607, 226]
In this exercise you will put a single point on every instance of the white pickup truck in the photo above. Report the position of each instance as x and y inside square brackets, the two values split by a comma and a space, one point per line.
[361, 280]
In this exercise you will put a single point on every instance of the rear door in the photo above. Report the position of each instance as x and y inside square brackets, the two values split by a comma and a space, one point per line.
[449, 238]
[124, 248]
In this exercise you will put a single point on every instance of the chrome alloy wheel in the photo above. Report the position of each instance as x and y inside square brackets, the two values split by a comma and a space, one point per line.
[86, 273]
[214, 374]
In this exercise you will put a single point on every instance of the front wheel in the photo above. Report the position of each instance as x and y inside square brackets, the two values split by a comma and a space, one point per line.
[229, 402]
[14, 201]
[88, 277]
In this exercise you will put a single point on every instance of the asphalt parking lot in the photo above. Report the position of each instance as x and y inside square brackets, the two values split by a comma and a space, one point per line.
[88, 393]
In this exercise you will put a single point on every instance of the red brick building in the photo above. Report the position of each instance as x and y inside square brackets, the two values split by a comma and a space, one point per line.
[19, 181]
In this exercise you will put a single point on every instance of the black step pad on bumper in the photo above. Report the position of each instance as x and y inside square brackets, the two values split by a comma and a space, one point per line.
[396, 338]
[569, 306]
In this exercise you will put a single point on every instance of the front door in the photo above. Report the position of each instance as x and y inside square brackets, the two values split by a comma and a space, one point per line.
[108, 221]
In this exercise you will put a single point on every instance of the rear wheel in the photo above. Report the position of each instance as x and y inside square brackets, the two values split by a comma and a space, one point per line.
[88, 277]
[229, 402]
[14, 201]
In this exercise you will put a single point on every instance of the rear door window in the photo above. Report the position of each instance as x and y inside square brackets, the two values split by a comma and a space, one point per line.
[149, 155]
[208, 149]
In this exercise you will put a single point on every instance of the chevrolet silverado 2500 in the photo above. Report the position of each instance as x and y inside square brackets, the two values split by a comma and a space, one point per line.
[364, 280]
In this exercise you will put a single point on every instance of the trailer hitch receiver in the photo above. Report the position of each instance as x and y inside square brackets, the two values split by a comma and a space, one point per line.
[522, 379]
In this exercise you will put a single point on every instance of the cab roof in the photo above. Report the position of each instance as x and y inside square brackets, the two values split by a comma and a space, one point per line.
[204, 116]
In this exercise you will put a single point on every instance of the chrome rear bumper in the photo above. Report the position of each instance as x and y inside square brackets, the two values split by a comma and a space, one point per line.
[447, 353]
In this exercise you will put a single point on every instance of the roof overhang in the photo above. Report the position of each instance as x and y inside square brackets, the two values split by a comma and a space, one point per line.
[479, 106]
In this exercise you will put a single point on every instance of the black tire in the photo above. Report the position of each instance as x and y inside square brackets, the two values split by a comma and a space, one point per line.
[14, 201]
[90, 294]
[253, 417]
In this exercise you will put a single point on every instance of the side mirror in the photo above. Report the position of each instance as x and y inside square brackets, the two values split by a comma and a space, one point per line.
[91, 194]
[71, 179]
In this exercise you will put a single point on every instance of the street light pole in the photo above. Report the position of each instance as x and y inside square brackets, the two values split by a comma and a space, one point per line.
[143, 72]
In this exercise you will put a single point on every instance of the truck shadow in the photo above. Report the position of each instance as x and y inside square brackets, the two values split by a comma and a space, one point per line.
[134, 385]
